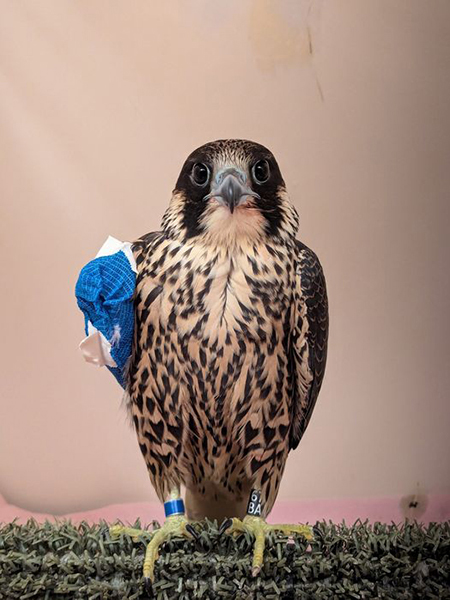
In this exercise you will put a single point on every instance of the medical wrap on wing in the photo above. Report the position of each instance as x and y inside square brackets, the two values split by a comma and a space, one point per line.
[104, 292]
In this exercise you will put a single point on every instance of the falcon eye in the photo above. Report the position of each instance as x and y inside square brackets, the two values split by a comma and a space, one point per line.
[261, 171]
[200, 174]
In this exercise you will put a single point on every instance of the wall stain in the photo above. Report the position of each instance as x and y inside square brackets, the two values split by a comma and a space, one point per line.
[277, 42]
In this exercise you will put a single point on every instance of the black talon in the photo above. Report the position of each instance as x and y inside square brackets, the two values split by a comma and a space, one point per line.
[191, 529]
[148, 587]
[225, 525]
[290, 547]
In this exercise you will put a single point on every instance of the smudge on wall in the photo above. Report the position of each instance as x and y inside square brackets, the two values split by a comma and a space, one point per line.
[277, 38]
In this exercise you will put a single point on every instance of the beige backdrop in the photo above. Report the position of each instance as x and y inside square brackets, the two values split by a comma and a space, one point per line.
[100, 103]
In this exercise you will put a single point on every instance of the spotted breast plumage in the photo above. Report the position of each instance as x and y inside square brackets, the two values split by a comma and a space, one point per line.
[231, 334]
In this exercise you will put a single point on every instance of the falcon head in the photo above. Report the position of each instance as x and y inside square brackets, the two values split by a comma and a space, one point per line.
[230, 190]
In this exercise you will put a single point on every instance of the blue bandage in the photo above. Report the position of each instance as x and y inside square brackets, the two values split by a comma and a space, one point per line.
[104, 291]
[174, 507]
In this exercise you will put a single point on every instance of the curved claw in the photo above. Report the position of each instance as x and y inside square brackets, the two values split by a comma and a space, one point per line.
[191, 529]
[290, 545]
[148, 587]
[256, 571]
[226, 524]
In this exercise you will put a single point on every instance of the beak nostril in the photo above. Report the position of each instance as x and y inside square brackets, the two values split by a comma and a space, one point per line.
[237, 173]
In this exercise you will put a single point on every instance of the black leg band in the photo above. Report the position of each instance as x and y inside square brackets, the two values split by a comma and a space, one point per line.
[254, 506]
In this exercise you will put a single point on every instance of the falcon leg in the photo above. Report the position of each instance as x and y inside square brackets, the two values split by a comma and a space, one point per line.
[176, 524]
[258, 527]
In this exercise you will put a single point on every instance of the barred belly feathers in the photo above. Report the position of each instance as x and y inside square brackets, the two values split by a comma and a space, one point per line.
[231, 333]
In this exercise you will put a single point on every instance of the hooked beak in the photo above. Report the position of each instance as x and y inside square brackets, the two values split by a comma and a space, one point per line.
[230, 188]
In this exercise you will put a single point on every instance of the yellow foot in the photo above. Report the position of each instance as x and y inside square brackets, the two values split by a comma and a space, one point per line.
[177, 525]
[258, 527]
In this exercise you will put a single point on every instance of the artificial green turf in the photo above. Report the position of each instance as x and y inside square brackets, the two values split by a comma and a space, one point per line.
[64, 561]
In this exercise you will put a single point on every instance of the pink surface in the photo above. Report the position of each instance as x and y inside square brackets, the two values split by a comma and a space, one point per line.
[349, 509]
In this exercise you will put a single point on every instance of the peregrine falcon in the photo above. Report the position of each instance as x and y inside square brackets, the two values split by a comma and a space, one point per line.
[230, 343]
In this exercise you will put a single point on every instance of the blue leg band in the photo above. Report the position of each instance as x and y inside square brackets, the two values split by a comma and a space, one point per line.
[174, 507]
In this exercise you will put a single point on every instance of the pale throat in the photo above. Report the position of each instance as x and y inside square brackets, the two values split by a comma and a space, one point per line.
[246, 225]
